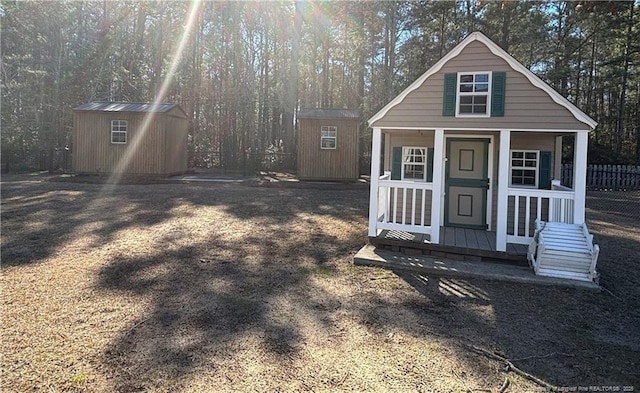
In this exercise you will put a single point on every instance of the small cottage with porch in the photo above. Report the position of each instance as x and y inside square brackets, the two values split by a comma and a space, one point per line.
[465, 161]
[328, 144]
[129, 138]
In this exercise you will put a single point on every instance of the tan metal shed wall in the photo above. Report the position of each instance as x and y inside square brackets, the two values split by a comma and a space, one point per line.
[340, 163]
[176, 143]
[93, 151]
[526, 106]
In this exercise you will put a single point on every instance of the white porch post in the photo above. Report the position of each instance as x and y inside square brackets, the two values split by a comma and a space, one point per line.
[580, 176]
[436, 192]
[503, 185]
[375, 178]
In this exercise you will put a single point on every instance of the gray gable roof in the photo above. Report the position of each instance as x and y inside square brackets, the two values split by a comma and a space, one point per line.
[328, 114]
[111, 106]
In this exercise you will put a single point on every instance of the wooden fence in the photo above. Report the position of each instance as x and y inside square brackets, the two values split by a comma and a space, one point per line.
[606, 176]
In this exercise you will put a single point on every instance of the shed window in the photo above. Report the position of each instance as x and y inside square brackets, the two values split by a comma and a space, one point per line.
[524, 168]
[119, 131]
[473, 94]
[328, 137]
[414, 163]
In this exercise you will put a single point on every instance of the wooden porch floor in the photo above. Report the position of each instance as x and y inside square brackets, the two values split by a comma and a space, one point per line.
[455, 243]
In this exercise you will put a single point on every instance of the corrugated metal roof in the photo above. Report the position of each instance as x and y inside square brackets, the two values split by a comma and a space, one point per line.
[110, 106]
[327, 114]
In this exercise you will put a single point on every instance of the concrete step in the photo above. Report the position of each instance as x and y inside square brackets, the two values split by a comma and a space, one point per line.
[369, 255]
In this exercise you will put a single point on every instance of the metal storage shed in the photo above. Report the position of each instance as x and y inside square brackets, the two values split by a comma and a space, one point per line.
[130, 138]
[328, 144]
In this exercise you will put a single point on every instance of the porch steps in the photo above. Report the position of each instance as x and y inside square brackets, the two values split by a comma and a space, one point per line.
[369, 255]
[564, 251]
[456, 244]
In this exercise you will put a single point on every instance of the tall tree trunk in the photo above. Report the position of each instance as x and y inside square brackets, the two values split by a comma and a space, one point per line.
[391, 37]
[625, 74]
[578, 74]
[441, 44]
[507, 8]
[592, 63]
[637, 127]
[292, 90]
[325, 93]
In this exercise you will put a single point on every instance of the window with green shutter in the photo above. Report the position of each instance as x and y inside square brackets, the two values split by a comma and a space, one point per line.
[474, 94]
[412, 163]
[530, 169]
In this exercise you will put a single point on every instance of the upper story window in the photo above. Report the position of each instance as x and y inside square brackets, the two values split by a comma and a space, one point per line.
[414, 163]
[328, 137]
[473, 94]
[119, 131]
[524, 168]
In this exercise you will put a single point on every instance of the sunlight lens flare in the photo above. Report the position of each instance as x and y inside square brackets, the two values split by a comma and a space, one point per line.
[150, 115]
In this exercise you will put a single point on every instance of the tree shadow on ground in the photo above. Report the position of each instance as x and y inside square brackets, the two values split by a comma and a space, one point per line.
[39, 217]
[213, 300]
[559, 330]
[566, 337]
[207, 303]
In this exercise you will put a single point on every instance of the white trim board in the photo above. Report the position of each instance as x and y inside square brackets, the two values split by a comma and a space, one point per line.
[496, 50]
[391, 129]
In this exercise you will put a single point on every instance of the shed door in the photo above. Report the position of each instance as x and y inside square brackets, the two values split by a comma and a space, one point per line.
[466, 183]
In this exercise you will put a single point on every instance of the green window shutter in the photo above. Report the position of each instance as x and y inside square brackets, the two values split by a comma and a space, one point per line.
[430, 164]
[498, 85]
[449, 95]
[544, 175]
[396, 163]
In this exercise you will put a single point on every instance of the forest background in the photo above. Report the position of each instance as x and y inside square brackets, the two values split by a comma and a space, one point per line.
[242, 70]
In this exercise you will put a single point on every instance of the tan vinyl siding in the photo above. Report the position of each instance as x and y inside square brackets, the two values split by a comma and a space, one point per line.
[543, 141]
[93, 151]
[526, 106]
[340, 163]
[399, 138]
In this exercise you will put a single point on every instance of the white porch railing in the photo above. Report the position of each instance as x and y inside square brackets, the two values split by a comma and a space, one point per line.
[402, 205]
[528, 205]
[383, 197]
[561, 210]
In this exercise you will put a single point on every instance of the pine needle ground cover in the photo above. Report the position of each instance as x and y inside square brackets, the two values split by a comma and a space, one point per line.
[238, 287]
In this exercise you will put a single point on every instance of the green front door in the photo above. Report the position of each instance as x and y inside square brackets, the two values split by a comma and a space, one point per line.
[467, 182]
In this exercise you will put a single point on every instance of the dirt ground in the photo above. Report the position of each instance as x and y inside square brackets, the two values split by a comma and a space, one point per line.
[240, 287]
